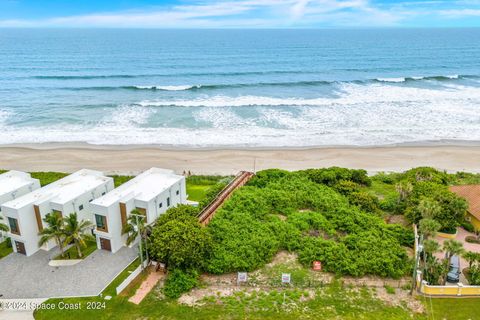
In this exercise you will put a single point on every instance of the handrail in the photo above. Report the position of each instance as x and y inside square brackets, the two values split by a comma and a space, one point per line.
[209, 211]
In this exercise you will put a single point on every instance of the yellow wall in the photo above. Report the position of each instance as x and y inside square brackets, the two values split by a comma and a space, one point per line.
[475, 222]
[450, 290]
[447, 235]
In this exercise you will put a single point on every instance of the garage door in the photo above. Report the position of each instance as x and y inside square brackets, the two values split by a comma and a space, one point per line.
[105, 244]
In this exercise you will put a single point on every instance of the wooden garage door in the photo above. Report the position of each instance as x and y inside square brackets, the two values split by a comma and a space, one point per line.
[105, 244]
[20, 247]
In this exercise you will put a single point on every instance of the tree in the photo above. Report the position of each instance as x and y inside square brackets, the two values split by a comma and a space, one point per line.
[471, 257]
[55, 230]
[452, 248]
[428, 227]
[179, 241]
[430, 263]
[404, 189]
[429, 208]
[3, 227]
[133, 229]
[75, 231]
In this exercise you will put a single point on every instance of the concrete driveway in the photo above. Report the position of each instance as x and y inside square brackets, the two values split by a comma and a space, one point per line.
[31, 277]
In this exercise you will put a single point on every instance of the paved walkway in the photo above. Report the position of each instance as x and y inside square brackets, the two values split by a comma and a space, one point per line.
[31, 277]
[147, 285]
[461, 234]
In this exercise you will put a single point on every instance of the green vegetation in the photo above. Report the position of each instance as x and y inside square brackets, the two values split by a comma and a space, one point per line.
[5, 248]
[313, 213]
[199, 187]
[72, 252]
[452, 309]
[179, 240]
[119, 180]
[179, 281]
[48, 177]
[332, 302]
[66, 230]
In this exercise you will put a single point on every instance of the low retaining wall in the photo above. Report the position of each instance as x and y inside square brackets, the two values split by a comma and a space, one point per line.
[447, 235]
[129, 279]
[458, 290]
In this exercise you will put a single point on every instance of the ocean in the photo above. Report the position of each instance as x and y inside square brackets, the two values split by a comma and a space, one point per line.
[239, 88]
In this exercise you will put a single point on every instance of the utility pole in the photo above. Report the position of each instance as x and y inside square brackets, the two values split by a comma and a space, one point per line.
[140, 234]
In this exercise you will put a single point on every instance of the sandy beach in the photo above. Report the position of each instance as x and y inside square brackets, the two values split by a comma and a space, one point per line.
[134, 159]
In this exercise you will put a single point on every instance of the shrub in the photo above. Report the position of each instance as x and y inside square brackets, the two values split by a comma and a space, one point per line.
[179, 240]
[8, 242]
[467, 225]
[211, 194]
[178, 282]
[346, 187]
[389, 289]
[365, 201]
[391, 204]
[472, 239]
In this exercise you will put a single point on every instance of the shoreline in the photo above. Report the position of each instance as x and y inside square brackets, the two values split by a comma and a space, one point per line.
[132, 159]
[86, 145]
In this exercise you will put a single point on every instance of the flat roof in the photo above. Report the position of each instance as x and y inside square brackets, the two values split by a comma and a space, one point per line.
[13, 180]
[63, 190]
[143, 187]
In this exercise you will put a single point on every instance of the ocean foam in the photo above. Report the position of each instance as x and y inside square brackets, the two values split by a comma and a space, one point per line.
[167, 88]
[395, 80]
[363, 115]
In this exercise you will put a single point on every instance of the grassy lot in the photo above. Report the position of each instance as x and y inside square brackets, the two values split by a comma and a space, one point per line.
[453, 309]
[197, 186]
[4, 249]
[332, 302]
[72, 253]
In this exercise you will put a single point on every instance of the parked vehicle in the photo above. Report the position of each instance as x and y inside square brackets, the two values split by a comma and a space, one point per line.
[454, 272]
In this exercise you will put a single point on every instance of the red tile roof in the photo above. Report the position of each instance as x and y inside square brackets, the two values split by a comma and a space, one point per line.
[472, 194]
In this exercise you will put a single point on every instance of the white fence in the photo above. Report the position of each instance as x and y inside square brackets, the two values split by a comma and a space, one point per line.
[129, 279]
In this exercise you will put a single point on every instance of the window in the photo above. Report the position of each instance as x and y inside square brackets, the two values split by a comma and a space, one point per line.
[178, 192]
[168, 202]
[13, 226]
[80, 207]
[101, 222]
[160, 205]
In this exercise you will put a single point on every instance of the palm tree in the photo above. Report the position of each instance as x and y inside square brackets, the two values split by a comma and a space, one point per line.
[75, 231]
[133, 229]
[471, 258]
[404, 189]
[428, 227]
[452, 248]
[429, 208]
[55, 230]
[430, 247]
[3, 227]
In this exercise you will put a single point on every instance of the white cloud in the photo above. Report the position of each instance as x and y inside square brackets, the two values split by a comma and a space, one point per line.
[259, 13]
[459, 13]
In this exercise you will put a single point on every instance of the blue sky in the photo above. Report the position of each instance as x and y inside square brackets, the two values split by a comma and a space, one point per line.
[239, 13]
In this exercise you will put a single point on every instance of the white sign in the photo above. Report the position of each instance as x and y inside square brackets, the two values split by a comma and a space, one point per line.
[285, 277]
[242, 277]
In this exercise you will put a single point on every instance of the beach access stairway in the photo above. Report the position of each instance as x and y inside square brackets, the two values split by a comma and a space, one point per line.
[209, 211]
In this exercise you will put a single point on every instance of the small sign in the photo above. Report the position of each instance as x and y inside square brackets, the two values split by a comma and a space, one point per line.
[242, 277]
[317, 266]
[285, 277]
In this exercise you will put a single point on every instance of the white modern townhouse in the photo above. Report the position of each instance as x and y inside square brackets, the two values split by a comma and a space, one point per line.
[73, 193]
[151, 193]
[14, 184]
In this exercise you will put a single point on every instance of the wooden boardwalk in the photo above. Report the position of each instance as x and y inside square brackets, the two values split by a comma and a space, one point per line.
[209, 211]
